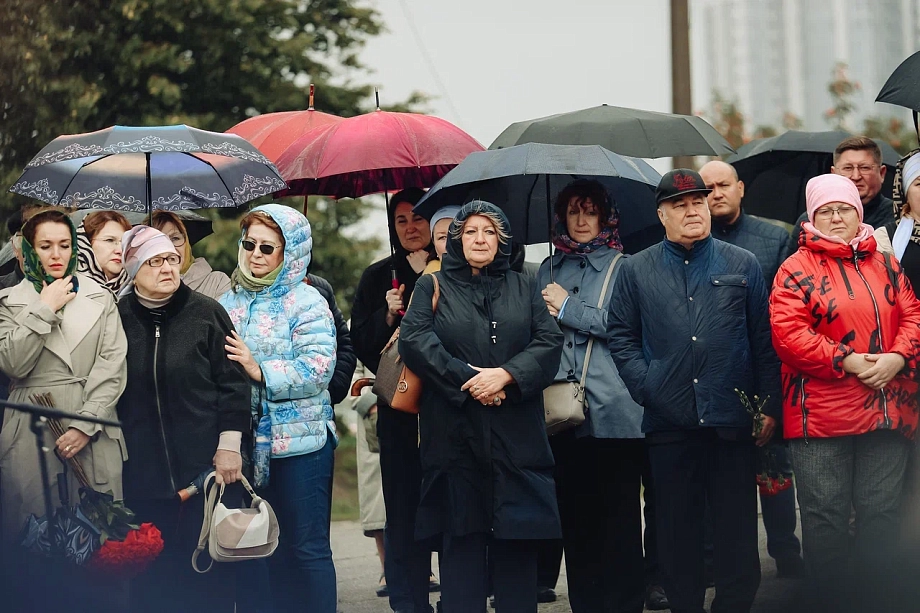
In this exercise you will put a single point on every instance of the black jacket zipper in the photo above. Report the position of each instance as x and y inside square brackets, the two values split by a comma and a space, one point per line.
[804, 410]
[878, 323]
[156, 391]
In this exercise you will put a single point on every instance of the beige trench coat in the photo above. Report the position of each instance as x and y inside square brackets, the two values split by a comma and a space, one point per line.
[78, 355]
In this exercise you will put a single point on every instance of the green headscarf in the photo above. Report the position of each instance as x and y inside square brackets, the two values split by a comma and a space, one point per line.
[32, 266]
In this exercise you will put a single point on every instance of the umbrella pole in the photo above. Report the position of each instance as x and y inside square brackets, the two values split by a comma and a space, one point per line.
[549, 219]
[149, 194]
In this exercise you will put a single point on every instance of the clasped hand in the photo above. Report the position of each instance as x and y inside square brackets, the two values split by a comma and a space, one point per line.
[554, 296]
[874, 370]
[488, 385]
[57, 293]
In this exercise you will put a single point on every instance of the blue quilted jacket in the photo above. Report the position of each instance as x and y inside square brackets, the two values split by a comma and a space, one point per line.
[290, 331]
[688, 327]
[767, 241]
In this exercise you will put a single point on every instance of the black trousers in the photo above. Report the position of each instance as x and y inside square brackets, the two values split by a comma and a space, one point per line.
[597, 486]
[685, 471]
[408, 562]
[465, 563]
[170, 583]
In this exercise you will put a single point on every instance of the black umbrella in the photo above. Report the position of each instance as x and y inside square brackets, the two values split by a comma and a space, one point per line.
[903, 86]
[197, 226]
[641, 134]
[146, 168]
[776, 169]
[523, 181]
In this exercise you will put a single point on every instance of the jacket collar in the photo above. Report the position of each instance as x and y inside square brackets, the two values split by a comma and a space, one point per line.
[180, 298]
[729, 229]
[818, 244]
[700, 249]
[77, 319]
[599, 258]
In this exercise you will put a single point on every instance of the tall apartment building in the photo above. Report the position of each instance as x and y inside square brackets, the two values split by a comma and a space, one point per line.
[777, 56]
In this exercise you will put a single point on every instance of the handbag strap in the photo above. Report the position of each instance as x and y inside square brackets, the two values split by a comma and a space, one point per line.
[211, 499]
[600, 303]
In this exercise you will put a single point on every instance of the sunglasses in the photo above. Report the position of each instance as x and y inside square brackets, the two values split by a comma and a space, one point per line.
[249, 245]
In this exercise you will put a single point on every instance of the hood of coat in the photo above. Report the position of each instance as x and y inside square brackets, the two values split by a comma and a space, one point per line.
[815, 242]
[298, 246]
[455, 261]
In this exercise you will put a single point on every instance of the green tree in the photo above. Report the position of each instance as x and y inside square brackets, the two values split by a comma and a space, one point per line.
[842, 89]
[69, 66]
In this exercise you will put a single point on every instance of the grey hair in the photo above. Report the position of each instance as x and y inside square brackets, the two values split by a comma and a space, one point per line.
[456, 229]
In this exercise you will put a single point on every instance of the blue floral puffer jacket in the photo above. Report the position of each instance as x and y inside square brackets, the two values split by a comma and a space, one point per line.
[291, 333]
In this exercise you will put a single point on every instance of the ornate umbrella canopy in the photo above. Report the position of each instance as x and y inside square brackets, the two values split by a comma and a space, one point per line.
[146, 168]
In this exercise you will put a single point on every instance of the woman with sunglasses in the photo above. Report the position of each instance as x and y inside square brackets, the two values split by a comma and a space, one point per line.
[287, 346]
[99, 254]
[194, 272]
[185, 411]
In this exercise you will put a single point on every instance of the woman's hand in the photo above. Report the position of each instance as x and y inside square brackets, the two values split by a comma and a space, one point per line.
[395, 304]
[228, 465]
[71, 443]
[418, 260]
[58, 293]
[554, 296]
[495, 400]
[487, 383]
[237, 351]
[885, 367]
[856, 364]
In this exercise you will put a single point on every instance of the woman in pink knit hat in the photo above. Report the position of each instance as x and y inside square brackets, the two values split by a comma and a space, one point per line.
[846, 326]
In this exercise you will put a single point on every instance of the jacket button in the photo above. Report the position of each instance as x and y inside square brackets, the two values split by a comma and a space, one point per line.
[583, 264]
[691, 298]
[716, 281]
[575, 290]
[571, 372]
[686, 261]
[569, 344]
[696, 380]
[702, 421]
[692, 338]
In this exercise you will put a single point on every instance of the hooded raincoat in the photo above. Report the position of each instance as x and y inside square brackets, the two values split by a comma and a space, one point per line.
[290, 331]
[486, 469]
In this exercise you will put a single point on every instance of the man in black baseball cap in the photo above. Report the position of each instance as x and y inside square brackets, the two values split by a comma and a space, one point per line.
[688, 325]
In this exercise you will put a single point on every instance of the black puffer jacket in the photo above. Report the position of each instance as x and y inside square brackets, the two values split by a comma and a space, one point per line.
[687, 328]
[345, 359]
[877, 212]
[767, 241]
[486, 469]
[182, 392]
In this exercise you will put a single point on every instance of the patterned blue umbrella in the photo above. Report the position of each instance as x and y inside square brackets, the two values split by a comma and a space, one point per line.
[141, 169]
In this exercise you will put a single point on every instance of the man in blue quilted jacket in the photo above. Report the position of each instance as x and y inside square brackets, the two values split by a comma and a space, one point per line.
[689, 325]
[767, 242]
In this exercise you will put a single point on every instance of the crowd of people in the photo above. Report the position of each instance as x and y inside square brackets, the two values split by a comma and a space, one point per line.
[728, 351]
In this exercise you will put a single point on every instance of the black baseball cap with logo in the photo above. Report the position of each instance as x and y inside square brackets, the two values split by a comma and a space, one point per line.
[678, 182]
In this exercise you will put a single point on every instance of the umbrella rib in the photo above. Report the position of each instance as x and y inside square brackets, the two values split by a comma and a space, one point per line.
[69, 183]
[229, 191]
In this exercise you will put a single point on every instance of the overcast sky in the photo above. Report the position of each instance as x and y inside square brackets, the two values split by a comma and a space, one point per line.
[491, 63]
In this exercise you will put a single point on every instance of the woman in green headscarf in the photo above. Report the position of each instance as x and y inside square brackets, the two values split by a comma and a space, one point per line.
[60, 333]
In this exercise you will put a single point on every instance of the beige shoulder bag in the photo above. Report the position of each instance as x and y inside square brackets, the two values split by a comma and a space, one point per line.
[564, 402]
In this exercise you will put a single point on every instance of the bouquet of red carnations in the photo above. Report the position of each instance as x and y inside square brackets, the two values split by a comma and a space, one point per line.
[128, 558]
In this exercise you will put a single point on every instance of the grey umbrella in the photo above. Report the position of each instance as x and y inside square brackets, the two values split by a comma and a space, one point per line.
[146, 168]
[632, 132]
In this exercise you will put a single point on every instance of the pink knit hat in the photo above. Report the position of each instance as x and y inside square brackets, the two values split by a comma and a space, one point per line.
[825, 189]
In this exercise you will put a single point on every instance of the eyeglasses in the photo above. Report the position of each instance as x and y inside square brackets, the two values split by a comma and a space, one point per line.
[157, 260]
[863, 169]
[265, 248]
[109, 241]
[177, 240]
[828, 212]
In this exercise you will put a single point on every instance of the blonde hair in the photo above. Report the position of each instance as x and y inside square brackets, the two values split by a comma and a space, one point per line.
[456, 230]
[160, 219]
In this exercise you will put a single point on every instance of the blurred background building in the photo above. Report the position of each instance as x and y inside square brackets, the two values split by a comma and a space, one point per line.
[774, 59]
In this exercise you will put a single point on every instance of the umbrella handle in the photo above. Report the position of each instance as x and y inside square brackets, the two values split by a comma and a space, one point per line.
[395, 284]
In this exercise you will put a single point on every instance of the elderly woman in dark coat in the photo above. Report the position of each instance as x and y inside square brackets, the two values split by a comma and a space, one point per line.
[484, 356]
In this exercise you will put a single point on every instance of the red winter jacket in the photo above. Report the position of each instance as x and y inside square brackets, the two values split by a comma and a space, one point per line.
[829, 301]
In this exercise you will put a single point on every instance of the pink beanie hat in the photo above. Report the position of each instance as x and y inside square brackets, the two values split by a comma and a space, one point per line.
[825, 189]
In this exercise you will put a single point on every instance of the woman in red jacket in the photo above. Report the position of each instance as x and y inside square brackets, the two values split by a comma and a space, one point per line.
[846, 326]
